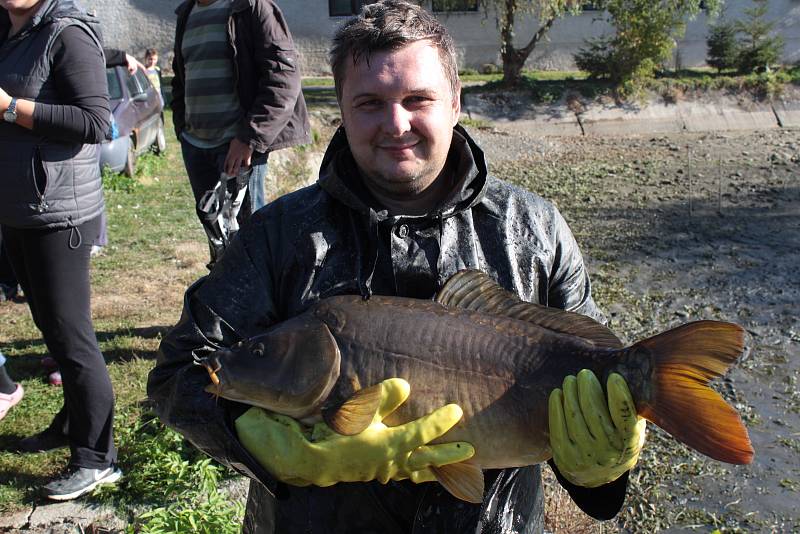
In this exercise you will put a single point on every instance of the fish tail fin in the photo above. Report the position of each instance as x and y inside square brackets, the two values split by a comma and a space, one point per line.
[681, 402]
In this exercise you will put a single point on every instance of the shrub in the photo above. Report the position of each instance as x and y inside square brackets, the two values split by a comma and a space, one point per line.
[645, 36]
[490, 68]
[723, 48]
[597, 58]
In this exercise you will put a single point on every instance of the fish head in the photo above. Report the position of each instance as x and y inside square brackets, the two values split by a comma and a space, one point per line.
[290, 369]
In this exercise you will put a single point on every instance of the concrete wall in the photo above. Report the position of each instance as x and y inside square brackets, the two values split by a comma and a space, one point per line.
[138, 24]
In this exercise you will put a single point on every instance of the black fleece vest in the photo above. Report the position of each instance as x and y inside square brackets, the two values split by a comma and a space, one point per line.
[44, 183]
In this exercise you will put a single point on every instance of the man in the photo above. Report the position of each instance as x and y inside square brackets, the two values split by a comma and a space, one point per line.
[403, 202]
[235, 98]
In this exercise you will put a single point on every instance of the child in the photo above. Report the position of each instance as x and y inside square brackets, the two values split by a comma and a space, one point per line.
[152, 70]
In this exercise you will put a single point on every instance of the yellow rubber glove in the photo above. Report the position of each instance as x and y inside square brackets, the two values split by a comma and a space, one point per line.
[594, 442]
[322, 457]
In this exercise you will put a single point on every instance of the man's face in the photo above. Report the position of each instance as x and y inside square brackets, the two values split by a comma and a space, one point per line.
[399, 114]
[18, 7]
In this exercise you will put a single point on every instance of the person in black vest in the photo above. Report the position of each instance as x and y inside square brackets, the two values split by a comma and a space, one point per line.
[54, 99]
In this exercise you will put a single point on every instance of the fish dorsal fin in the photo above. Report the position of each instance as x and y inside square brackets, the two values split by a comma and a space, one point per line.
[356, 413]
[474, 290]
[464, 480]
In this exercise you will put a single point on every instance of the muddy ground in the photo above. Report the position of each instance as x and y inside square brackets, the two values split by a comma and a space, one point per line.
[678, 228]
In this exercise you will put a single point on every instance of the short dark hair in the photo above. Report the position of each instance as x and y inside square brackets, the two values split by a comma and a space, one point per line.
[150, 52]
[390, 25]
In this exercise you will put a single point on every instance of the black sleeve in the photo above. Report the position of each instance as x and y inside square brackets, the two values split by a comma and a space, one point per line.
[603, 502]
[79, 73]
[115, 58]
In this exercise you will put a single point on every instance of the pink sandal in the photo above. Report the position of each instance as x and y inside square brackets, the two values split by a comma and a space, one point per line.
[9, 400]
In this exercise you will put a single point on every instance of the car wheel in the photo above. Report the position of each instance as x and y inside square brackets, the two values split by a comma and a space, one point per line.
[130, 162]
[160, 144]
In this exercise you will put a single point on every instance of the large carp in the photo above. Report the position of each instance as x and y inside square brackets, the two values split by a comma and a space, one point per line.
[496, 356]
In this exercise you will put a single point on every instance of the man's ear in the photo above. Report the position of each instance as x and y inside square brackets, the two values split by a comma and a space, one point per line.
[456, 104]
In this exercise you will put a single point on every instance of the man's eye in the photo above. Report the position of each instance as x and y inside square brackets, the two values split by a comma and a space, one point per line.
[369, 104]
[416, 100]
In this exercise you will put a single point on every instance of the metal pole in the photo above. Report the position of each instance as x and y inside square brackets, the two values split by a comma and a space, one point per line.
[689, 174]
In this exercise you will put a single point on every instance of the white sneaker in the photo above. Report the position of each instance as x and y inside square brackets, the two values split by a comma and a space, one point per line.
[79, 480]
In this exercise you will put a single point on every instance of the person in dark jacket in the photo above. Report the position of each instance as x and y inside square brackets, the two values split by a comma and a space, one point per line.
[236, 97]
[55, 100]
[404, 200]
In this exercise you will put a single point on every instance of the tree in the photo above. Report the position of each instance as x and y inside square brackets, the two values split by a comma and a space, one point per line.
[645, 34]
[548, 12]
[507, 13]
[723, 48]
[758, 50]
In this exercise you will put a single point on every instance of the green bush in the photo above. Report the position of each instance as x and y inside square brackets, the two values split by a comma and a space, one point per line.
[645, 35]
[597, 58]
[490, 68]
[723, 48]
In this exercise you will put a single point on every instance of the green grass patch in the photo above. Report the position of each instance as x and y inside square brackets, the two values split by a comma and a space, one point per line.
[318, 81]
[149, 216]
[478, 124]
[548, 86]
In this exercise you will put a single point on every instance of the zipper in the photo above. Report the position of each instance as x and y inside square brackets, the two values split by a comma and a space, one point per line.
[42, 206]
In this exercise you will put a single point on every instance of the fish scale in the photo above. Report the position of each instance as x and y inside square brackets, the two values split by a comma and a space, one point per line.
[494, 355]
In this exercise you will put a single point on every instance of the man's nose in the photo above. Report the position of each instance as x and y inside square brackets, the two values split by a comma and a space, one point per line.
[397, 120]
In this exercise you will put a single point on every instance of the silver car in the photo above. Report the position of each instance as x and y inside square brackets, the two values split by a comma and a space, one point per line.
[137, 120]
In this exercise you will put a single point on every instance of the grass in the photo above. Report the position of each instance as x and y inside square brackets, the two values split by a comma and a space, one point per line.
[548, 86]
[156, 248]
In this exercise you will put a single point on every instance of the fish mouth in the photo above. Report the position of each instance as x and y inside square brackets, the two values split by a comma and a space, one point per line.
[212, 365]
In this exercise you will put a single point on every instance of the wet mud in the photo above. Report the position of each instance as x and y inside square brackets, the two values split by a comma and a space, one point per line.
[679, 228]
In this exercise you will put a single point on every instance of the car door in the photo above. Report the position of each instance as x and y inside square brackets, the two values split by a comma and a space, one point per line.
[146, 103]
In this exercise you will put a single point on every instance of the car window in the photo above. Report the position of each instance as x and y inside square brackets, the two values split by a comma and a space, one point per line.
[114, 87]
[141, 77]
[133, 87]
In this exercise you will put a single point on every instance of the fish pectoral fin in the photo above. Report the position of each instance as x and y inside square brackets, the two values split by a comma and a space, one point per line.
[463, 480]
[355, 414]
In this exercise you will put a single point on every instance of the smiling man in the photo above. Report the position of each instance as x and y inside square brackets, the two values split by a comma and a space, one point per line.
[398, 111]
[404, 201]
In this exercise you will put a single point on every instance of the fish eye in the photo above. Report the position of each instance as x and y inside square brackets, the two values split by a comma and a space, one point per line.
[257, 350]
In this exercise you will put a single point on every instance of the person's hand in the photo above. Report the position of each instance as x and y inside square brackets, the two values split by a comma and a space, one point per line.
[5, 100]
[239, 155]
[132, 63]
[594, 442]
[380, 453]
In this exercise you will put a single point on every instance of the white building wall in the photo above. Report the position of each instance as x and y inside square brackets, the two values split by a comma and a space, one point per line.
[477, 36]
[135, 25]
